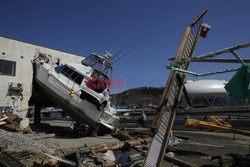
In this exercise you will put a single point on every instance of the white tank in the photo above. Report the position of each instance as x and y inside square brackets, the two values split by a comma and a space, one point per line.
[208, 88]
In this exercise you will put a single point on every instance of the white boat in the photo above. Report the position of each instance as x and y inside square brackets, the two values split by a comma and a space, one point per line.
[75, 88]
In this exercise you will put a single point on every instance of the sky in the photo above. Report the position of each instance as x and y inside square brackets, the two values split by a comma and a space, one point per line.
[154, 29]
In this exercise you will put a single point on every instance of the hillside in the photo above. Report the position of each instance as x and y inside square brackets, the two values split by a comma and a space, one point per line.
[138, 96]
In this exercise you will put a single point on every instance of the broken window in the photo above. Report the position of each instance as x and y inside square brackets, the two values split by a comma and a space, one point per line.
[7, 67]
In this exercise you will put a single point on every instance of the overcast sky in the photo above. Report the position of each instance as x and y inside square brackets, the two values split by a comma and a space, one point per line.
[155, 28]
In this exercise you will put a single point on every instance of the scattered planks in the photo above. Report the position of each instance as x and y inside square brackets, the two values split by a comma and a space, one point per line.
[120, 145]
[3, 117]
[11, 122]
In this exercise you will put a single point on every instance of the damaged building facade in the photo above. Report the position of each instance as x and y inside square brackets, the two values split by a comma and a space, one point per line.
[16, 72]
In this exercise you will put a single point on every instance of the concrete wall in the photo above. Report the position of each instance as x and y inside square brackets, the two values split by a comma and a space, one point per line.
[22, 53]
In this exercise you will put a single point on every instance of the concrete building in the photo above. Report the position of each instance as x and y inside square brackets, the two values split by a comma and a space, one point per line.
[16, 72]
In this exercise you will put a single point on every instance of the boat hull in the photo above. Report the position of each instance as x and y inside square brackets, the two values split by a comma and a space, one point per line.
[80, 110]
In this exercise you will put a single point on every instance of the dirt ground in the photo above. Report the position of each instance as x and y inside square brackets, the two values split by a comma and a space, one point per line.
[212, 148]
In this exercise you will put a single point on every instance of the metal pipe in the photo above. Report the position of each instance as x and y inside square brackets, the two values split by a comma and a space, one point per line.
[238, 57]
[216, 60]
[215, 53]
[222, 51]
[186, 72]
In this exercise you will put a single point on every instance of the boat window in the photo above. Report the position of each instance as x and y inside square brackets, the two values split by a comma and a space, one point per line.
[77, 78]
[100, 64]
[72, 75]
[7, 67]
[67, 71]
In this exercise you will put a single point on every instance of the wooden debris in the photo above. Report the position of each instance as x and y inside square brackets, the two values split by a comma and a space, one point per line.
[38, 162]
[52, 162]
[11, 122]
[3, 117]
[2, 123]
[119, 145]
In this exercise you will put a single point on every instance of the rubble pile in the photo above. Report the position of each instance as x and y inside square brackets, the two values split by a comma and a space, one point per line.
[186, 148]
[14, 123]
